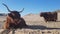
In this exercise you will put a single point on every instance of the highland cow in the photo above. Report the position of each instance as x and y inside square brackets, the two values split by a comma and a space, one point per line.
[49, 16]
[14, 19]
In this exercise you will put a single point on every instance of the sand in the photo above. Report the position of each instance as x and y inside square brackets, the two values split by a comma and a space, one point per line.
[36, 24]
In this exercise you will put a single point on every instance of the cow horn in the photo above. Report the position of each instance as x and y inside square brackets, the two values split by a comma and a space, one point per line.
[22, 10]
[6, 7]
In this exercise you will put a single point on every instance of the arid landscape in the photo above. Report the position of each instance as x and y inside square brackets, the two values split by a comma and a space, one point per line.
[29, 16]
[36, 24]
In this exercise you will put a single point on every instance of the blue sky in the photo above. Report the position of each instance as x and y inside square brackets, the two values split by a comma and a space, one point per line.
[31, 6]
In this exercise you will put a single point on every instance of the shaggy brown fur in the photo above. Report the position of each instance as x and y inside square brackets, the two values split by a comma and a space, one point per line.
[49, 16]
[10, 23]
[14, 19]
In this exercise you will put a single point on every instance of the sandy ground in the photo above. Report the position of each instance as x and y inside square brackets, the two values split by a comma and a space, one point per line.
[37, 25]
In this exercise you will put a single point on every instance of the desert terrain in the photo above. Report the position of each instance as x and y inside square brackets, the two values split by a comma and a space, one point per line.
[36, 24]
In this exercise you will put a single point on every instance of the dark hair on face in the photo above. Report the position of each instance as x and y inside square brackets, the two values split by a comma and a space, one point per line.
[14, 15]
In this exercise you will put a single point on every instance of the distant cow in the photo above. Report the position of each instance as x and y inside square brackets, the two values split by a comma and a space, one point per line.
[49, 16]
[14, 19]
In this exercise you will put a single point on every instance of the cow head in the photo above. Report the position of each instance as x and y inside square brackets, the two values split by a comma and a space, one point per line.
[13, 14]
[44, 13]
[41, 14]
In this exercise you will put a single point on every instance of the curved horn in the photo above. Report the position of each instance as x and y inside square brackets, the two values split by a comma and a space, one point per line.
[6, 7]
[22, 10]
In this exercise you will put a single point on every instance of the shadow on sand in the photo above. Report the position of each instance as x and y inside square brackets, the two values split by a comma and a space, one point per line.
[8, 31]
[41, 27]
[36, 27]
[28, 27]
[57, 21]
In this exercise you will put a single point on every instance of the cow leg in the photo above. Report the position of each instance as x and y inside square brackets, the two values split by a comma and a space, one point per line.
[46, 19]
[55, 20]
[13, 31]
[6, 26]
[6, 31]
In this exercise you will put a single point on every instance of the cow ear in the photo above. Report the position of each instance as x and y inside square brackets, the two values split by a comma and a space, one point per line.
[21, 10]
[6, 7]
